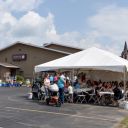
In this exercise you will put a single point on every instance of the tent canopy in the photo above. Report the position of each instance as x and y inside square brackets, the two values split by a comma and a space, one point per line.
[91, 58]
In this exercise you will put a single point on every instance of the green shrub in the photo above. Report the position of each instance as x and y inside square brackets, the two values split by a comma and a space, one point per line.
[20, 78]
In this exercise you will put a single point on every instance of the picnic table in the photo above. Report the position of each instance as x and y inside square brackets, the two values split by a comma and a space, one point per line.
[82, 90]
[106, 93]
[80, 95]
[105, 98]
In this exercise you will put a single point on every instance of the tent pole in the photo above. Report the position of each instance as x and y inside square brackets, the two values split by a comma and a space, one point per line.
[72, 74]
[124, 80]
[33, 80]
[72, 79]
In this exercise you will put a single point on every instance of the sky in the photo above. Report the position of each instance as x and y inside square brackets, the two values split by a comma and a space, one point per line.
[78, 23]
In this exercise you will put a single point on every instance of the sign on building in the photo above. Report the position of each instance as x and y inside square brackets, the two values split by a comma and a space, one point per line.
[19, 57]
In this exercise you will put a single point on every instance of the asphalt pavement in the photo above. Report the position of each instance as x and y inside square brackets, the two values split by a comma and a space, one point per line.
[16, 111]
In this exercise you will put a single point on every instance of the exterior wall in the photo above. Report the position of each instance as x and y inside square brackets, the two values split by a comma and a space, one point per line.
[3, 72]
[35, 56]
[63, 48]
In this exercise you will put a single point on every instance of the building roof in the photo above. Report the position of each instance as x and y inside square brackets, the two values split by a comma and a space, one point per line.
[7, 65]
[29, 44]
[68, 46]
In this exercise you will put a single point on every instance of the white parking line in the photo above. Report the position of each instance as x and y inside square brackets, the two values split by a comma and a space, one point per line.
[27, 124]
[63, 114]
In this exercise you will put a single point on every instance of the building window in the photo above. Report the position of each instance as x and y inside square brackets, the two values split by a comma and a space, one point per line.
[6, 59]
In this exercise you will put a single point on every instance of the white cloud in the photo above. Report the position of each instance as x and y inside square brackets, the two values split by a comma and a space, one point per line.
[33, 28]
[6, 22]
[19, 5]
[30, 27]
[111, 25]
[32, 24]
[108, 30]
[111, 21]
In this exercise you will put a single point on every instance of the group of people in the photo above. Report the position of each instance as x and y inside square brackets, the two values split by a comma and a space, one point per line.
[63, 84]
[57, 82]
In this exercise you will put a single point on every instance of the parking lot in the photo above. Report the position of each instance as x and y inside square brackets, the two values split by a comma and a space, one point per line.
[17, 111]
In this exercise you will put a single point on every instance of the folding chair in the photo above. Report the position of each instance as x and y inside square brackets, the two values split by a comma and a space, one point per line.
[92, 98]
[126, 95]
[66, 97]
[81, 98]
[42, 94]
[97, 99]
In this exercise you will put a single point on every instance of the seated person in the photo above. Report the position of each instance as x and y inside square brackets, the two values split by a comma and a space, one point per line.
[117, 93]
[83, 84]
[76, 84]
[109, 87]
[103, 88]
[89, 83]
[66, 86]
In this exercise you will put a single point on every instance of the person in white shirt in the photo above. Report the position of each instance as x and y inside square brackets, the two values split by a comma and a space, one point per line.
[70, 91]
[46, 84]
[54, 87]
[63, 77]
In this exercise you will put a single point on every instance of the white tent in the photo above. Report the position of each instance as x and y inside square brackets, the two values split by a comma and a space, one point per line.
[90, 59]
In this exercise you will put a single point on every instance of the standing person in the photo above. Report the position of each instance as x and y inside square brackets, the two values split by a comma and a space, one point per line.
[55, 77]
[51, 79]
[61, 83]
[46, 84]
[70, 91]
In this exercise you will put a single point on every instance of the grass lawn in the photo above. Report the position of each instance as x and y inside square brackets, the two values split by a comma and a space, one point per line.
[123, 123]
